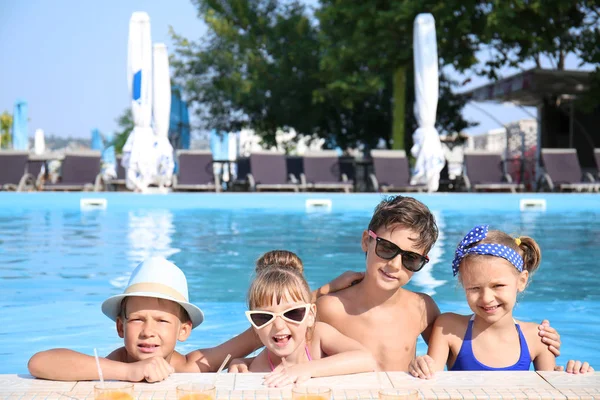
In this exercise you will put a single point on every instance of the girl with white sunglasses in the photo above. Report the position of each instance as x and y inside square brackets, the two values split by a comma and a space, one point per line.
[297, 347]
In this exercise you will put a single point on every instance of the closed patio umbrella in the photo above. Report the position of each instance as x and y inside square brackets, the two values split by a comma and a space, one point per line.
[161, 107]
[427, 147]
[20, 129]
[39, 143]
[96, 143]
[138, 153]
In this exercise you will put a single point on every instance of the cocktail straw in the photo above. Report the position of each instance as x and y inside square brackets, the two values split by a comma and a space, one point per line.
[98, 366]
[224, 363]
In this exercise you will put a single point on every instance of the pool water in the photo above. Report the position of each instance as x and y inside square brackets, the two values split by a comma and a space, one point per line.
[58, 263]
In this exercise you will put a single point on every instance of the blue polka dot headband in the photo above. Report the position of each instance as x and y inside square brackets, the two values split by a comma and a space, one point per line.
[477, 234]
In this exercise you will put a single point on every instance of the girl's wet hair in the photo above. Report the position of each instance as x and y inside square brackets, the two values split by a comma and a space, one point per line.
[277, 283]
[279, 259]
[526, 247]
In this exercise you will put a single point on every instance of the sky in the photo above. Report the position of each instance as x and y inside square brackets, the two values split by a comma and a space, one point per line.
[68, 60]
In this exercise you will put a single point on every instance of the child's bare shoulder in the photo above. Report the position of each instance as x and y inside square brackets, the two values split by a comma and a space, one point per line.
[335, 302]
[531, 332]
[119, 354]
[453, 323]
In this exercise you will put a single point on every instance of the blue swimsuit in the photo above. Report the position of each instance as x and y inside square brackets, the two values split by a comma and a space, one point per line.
[466, 361]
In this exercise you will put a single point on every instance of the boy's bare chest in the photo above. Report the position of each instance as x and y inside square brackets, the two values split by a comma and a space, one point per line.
[390, 338]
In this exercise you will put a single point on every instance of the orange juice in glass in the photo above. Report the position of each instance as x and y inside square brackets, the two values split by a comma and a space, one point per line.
[113, 391]
[398, 394]
[311, 393]
[196, 391]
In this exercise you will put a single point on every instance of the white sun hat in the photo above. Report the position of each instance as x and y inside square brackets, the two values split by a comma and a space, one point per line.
[159, 278]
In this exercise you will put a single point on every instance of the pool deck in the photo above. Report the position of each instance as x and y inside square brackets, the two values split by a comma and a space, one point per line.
[445, 386]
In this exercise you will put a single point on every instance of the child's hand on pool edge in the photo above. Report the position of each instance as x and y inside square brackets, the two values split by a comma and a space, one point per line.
[154, 369]
[576, 367]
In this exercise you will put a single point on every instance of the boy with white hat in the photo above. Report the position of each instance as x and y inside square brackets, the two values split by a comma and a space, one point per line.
[152, 314]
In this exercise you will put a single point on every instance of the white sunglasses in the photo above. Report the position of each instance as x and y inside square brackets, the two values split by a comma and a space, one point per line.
[295, 315]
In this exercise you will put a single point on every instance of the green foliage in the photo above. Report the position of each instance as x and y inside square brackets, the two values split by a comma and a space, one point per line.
[6, 121]
[520, 31]
[126, 124]
[270, 65]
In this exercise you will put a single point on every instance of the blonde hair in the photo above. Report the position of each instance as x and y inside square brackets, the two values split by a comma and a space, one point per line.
[526, 247]
[279, 259]
[277, 283]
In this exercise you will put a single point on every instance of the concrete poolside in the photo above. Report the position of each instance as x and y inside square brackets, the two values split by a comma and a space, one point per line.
[445, 386]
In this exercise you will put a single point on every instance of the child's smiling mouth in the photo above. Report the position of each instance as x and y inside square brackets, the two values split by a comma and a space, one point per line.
[491, 309]
[388, 276]
[281, 340]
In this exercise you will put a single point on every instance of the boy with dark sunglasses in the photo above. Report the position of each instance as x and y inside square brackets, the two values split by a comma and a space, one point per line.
[379, 312]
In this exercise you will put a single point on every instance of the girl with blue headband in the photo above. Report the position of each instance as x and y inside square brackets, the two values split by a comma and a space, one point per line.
[493, 268]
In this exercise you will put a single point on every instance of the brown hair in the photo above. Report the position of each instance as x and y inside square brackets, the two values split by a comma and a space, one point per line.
[183, 314]
[279, 259]
[526, 247]
[408, 213]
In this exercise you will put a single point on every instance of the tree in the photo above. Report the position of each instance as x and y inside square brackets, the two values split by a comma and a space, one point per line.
[257, 67]
[269, 66]
[368, 47]
[125, 122]
[6, 121]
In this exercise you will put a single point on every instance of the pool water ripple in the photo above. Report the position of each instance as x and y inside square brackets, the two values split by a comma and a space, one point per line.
[57, 266]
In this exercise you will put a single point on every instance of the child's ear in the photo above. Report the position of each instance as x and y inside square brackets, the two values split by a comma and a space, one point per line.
[120, 327]
[364, 243]
[522, 282]
[184, 331]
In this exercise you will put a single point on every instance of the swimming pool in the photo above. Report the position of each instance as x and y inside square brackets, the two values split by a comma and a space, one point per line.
[58, 262]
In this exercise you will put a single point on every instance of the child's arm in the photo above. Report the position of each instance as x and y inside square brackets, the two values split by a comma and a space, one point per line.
[431, 312]
[69, 365]
[343, 356]
[543, 358]
[209, 360]
[439, 348]
[343, 281]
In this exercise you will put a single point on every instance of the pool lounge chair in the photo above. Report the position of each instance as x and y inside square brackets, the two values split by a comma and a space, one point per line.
[392, 172]
[322, 172]
[80, 170]
[485, 171]
[268, 171]
[563, 172]
[13, 171]
[195, 171]
[597, 159]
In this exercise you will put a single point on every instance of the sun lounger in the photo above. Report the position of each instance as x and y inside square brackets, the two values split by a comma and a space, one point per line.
[268, 171]
[597, 159]
[563, 172]
[79, 171]
[392, 172]
[322, 172]
[195, 171]
[13, 171]
[485, 171]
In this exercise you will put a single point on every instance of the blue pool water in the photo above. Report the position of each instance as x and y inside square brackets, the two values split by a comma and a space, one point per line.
[58, 262]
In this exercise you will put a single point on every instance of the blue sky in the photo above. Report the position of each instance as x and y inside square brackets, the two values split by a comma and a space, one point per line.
[68, 59]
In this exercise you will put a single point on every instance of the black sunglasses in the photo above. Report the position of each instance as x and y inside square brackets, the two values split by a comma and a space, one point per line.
[387, 250]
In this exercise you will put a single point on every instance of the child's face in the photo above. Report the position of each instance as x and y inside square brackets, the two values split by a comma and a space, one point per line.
[389, 274]
[491, 285]
[152, 328]
[282, 338]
